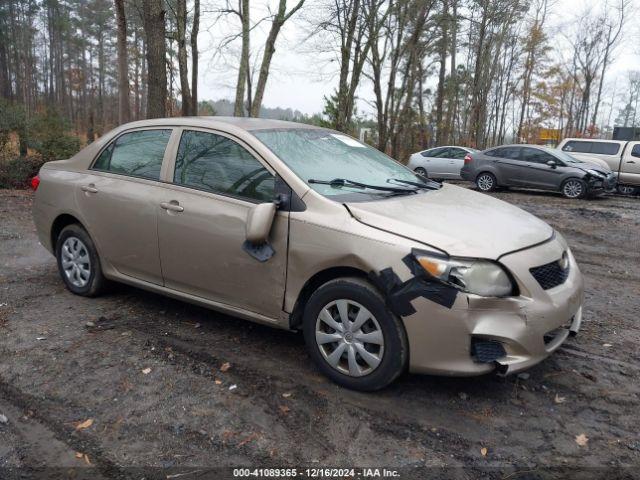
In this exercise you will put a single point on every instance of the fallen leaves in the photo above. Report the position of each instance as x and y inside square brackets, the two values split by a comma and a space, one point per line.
[146, 371]
[558, 399]
[225, 366]
[83, 456]
[287, 394]
[83, 425]
[284, 409]
[484, 451]
[248, 439]
[582, 440]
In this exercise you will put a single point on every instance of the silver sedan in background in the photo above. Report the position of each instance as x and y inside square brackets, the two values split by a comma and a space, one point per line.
[440, 162]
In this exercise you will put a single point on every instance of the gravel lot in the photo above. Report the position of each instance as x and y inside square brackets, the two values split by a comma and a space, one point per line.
[132, 379]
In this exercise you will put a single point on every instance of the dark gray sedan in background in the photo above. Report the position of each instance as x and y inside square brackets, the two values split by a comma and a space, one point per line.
[533, 166]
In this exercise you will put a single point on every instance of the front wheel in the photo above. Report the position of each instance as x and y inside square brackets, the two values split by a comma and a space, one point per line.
[78, 262]
[574, 188]
[352, 337]
[626, 189]
[486, 182]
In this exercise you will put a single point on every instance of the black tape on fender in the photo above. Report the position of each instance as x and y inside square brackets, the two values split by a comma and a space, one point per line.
[399, 294]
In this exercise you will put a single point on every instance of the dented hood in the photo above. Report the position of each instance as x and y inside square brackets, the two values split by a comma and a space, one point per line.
[457, 220]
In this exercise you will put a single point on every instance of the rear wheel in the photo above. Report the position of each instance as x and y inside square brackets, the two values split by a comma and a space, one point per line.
[574, 188]
[78, 262]
[486, 182]
[422, 172]
[352, 337]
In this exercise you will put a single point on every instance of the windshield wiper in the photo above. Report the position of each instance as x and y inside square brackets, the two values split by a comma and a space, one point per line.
[344, 182]
[431, 185]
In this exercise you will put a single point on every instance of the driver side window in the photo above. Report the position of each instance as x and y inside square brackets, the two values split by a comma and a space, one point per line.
[217, 164]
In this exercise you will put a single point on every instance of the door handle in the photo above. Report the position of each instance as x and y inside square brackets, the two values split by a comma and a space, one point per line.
[630, 161]
[172, 206]
[91, 188]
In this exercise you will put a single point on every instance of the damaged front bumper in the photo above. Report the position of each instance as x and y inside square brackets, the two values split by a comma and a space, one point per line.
[479, 335]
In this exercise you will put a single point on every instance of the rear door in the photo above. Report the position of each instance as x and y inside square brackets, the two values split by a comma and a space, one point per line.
[510, 167]
[630, 166]
[216, 181]
[118, 200]
[456, 161]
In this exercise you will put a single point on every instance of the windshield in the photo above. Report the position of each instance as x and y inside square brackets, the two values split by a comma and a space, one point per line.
[325, 155]
[565, 157]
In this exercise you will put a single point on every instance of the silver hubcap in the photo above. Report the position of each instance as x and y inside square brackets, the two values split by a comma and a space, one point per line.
[572, 189]
[349, 338]
[421, 171]
[76, 262]
[626, 190]
[485, 182]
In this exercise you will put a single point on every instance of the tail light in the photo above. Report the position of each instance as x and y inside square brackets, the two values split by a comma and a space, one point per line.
[35, 182]
[467, 159]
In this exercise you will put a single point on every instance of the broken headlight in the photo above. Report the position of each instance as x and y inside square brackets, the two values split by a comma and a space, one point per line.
[481, 277]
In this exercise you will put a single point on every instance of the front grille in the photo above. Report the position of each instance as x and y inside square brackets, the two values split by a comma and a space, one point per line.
[550, 275]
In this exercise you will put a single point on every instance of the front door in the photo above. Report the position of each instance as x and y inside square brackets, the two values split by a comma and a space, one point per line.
[630, 165]
[538, 172]
[202, 220]
[118, 200]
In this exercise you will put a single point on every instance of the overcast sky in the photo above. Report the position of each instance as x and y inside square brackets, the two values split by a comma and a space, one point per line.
[300, 76]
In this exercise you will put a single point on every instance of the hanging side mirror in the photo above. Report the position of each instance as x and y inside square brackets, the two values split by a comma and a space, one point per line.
[259, 221]
[552, 163]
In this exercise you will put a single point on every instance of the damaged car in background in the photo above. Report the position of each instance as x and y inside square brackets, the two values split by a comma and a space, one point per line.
[533, 166]
[305, 228]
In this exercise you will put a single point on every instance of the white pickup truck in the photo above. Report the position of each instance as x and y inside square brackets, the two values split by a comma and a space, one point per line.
[622, 157]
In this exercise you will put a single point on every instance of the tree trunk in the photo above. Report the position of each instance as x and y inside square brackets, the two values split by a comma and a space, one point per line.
[154, 27]
[195, 29]
[440, 134]
[181, 20]
[243, 70]
[124, 113]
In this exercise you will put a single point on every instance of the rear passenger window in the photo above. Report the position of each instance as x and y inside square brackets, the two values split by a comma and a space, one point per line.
[138, 154]
[577, 147]
[605, 148]
[217, 164]
[505, 152]
[635, 152]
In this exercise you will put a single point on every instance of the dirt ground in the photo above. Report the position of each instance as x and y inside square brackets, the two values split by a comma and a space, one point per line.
[134, 380]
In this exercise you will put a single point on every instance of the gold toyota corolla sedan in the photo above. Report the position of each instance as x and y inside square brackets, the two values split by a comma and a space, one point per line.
[305, 228]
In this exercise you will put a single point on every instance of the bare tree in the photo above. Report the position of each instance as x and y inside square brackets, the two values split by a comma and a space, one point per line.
[243, 70]
[154, 17]
[124, 112]
[195, 30]
[180, 36]
[269, 49]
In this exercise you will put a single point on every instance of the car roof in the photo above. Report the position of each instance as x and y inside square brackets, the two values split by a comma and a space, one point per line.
[245, 123]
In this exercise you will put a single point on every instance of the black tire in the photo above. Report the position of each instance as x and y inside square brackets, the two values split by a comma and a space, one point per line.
[96, 283]
[574, 188]
[396, 350]
[486, 182]
[627, 190]
[422, 172]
